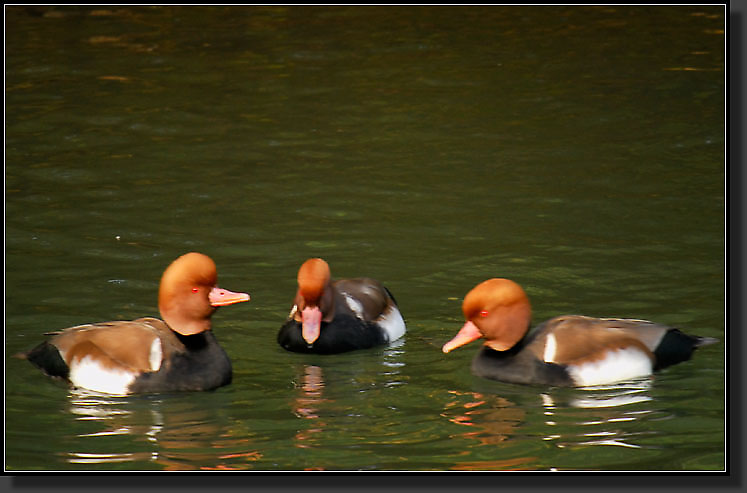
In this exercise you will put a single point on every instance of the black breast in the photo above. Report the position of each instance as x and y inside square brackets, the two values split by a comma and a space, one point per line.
[517, 366]
[344, 333]
[203, 365]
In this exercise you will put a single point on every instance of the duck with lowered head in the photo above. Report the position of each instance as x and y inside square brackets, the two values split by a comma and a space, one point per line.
[331, 316]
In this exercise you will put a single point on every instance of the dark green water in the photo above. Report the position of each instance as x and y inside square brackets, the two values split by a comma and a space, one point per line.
[577, 150]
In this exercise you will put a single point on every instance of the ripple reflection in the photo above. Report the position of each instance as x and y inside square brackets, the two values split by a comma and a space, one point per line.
[491, 420]
[166, 432]
[306, 405]
[602, 414]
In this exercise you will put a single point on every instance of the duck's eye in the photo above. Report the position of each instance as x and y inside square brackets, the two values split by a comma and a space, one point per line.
[195, 290]
[483, 313]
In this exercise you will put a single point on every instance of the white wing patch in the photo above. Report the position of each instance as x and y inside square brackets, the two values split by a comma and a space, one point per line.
[354, 305]
[156, 354]
[617, 365]
[89, 374]
[392, 323]
[551, 347]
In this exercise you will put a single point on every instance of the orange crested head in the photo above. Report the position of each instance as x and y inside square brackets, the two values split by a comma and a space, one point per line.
[313, 277]
[497, 310]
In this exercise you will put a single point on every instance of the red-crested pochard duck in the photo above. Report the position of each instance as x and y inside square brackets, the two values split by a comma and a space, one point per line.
[179, 352]
[337, 316]
[569, 350]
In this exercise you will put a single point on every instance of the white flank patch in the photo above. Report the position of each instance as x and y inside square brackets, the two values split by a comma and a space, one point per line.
[89, 374]
[392, 323]
[617, 365]
[551, 347]
[354, 305]
[156, 354]
[293, 311]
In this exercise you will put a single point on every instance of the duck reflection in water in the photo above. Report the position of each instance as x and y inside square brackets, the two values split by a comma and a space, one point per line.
[182, 437]
[491, 421]
[578, 417]
[306, 405]
[596, 415]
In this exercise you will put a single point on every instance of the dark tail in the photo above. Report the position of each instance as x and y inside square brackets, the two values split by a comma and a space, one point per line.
[47, 357]
[676, 346]
[705, 341]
